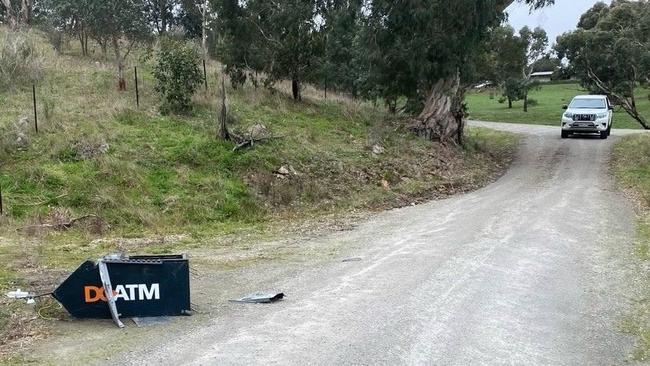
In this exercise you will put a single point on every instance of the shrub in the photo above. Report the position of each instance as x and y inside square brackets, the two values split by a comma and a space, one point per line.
[20, 59]
[177, 75]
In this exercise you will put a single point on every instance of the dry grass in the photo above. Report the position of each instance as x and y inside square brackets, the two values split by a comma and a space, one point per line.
[153, 179]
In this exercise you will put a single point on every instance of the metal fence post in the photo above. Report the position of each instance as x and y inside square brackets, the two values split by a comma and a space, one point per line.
[137, 91]
[205, 76]
[35, 114]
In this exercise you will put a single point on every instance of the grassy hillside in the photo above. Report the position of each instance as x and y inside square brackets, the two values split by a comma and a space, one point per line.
[550, 98]
[143, 175]
[632, 166]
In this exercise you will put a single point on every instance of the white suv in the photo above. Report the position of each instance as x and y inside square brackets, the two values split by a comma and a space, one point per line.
[588, 114]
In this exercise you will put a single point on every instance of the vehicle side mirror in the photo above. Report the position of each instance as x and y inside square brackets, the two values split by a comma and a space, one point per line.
[565, 107]
[611, 108]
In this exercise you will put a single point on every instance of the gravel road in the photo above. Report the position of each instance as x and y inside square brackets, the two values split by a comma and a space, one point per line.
[531, 270]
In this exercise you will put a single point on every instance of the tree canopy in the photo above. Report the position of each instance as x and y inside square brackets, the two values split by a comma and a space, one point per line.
[610, 51]
[416, 51]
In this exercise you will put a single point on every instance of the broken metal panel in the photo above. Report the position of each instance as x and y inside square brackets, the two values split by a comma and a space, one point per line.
[261, 298]
[108, 292]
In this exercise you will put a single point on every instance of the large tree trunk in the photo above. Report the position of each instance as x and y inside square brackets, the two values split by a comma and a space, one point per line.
[9, 13]
[26, 11]
[121, 82]
[442, 118]
[509, 103]
[295, 89]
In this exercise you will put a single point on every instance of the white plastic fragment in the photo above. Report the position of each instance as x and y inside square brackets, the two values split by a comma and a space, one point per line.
[18, 294]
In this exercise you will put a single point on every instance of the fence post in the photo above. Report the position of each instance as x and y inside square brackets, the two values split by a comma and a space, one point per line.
[137, 91]
[35, 114]
[205, 76]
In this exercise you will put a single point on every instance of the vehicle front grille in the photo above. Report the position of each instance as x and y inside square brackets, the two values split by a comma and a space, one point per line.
[584, 117]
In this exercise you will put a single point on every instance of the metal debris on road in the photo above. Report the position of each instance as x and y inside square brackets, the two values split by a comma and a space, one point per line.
[260, 298]
[353, 259]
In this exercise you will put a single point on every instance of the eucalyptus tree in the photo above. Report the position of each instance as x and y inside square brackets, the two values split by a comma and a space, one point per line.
[239, 46]
[336, 60]
[502, 62]
[17, 12]
[123, 23]
[421, 49]
[610, 51]
[289, 32]
[535, 42]
[160, 14]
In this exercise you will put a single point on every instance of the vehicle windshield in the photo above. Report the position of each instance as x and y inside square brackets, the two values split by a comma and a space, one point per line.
[588, 104]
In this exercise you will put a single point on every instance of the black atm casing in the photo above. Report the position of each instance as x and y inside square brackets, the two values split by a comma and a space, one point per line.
[170, 272]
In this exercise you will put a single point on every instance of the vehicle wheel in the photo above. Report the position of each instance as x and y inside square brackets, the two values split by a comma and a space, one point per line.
[565, 134]
[603, 135]
[609, 130]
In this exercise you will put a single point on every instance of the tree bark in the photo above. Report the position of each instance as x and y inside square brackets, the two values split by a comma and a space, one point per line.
[627, 103]
[526, 101]
[509, 103]
[392, 106]
[26, 11]
[295, 89]
[204, 29]
[81, 42]
[442, 118]
[121, 81]
[9, 13]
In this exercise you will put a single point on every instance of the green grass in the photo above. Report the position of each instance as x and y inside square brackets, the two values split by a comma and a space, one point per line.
[150, 176]
[550, 98]
[632, 167]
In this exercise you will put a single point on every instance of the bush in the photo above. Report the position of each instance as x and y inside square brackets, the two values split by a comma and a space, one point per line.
[21, 61]
[177, 75]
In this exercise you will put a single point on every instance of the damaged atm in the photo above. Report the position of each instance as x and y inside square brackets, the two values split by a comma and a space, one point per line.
[128, 286]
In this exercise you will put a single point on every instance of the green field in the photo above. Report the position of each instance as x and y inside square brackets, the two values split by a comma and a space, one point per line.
[550, 98]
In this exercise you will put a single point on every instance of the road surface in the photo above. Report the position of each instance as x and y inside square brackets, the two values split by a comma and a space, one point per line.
[530, 270]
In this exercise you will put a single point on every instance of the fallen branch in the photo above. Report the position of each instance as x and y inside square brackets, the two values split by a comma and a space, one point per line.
[61, 226]
[251, 142]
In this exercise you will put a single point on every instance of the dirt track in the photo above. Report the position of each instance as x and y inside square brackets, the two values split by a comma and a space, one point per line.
[532, 269]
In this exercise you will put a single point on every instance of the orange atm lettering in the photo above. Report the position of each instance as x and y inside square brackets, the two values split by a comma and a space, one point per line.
[94, 294]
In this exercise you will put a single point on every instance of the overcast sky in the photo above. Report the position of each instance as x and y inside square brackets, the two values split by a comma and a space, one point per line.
[556, 19]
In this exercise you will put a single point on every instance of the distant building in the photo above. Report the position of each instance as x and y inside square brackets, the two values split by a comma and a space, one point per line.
[542, 76]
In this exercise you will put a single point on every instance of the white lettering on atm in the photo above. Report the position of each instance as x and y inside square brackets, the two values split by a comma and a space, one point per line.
[139, 292]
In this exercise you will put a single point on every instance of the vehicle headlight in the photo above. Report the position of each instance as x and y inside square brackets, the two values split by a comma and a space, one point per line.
[568, 115]
[602, 115]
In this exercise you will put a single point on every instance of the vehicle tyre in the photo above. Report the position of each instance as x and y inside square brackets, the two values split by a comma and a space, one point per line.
[603, 135]
[609, 130]
[565, 134]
